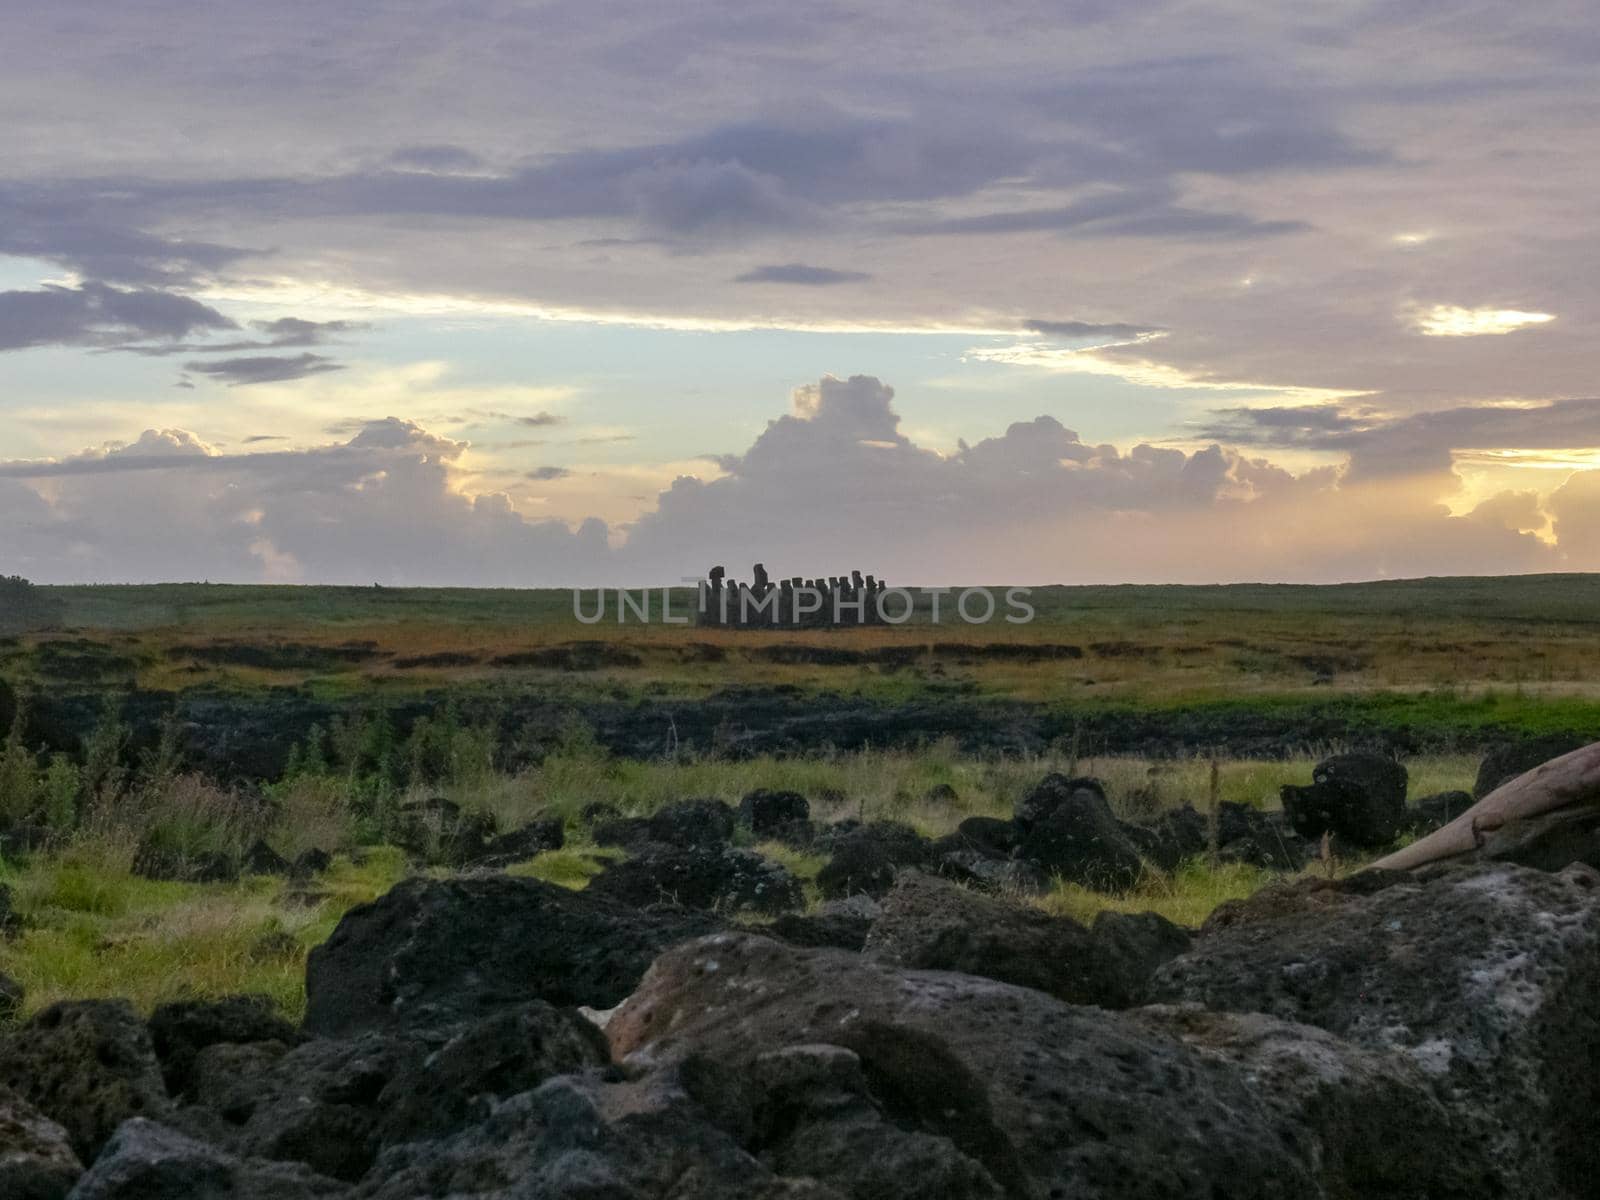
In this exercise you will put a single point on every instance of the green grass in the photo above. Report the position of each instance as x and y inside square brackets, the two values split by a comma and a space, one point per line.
[1187, 897]
[573, 866]
[97, 932]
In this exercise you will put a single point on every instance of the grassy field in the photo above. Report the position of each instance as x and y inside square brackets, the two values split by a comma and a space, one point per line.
[1463, 661]
[94, 928]
[1537, 635]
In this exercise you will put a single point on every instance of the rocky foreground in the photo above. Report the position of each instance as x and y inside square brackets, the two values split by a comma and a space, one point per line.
[1430, 1033]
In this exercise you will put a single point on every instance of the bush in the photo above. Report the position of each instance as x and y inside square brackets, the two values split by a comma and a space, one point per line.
[19, 775]
[24, 608]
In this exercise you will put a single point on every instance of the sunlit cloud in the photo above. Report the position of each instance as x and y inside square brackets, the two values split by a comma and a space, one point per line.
[1450, 320]
[1144, 372]
[1566, 459]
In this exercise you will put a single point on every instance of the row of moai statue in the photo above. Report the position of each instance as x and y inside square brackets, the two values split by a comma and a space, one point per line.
[795, 603]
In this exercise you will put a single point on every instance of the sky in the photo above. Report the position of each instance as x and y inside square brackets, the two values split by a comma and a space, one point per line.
[494, 293]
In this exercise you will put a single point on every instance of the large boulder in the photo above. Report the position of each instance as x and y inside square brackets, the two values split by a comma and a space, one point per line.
[1258, 839]
[866, 858]
[835, 1066]
[148, 1161]
[1049, 794]
[1071, 832]
[1549, 841]
[512, 1051]
[712, 879]
[930, 923]
[534, 838]
[457, 949]
[1360, 798]
[332, 1104]
[315, 1104]
[88, 1065]
[1485, 976]
[1506, 761]
[37, 1161]
[769, 813]
[576, 1137]
[698, 823]
[1436, 811]
[180, 1030]
[1172, 837]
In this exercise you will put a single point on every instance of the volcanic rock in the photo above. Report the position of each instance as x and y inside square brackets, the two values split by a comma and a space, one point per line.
[450, 950]
[932, 924]
[1485, 976]
[148, 1161]
[715, 880]
[1360, 798]
[88, 1065]
[36, 1159]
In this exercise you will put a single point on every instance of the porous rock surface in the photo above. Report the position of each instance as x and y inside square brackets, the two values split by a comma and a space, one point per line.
[448, 950]
[1012, 1092]
[1485, 976]
[930, 923]
[37, 1161]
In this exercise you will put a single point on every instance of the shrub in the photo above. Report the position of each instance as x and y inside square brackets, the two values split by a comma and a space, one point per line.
[19, 775]
[24, 608]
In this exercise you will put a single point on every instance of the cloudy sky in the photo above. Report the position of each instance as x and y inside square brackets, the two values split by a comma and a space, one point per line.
[546, 293]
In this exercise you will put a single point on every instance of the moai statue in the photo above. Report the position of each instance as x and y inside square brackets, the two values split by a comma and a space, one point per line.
[761, 583]
[710, 612]
[785, 613]
[856, 581]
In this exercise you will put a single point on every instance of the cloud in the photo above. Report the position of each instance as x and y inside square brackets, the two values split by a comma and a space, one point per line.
[381, 506]
[539, 420]
[1450, 320]
[1081, 330]
[1132, 212]
[1379, 443]
[95, 228]
[265, 368]
[441, 158]
[95, 314]
[280, 334]
[832, 485]
[799, 273]
[837, 484]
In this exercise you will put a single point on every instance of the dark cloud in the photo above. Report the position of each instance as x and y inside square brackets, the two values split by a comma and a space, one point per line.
[1415, 444]
[538, 420]
[265, 368]
[264, 437]
[1141, 212]
[93, 314]
[547, 474]
[282, 334]
[296, 331]
[95, 228]
[800, 273]
[1216, 114]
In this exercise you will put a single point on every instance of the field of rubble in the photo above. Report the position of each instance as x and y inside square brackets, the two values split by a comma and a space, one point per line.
[909, 912]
